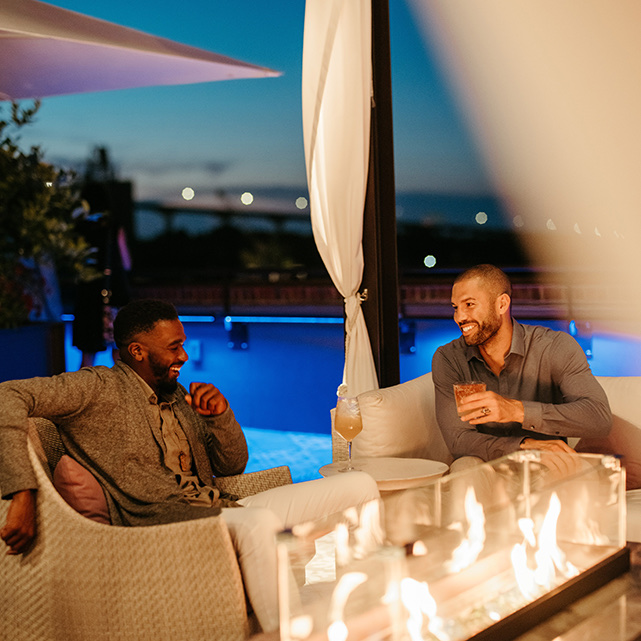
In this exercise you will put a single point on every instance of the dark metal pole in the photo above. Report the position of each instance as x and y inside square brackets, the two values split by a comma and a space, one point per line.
[380, 276]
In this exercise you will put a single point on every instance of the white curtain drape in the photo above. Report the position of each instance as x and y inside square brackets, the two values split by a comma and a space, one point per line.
[336, 93]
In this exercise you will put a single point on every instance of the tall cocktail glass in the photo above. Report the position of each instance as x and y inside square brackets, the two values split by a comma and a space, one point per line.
[348, 423]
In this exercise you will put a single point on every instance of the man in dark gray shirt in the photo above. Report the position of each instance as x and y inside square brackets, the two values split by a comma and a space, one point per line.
[539, 387]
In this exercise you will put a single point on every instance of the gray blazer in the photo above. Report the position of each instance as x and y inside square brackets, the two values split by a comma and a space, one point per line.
[107, 424]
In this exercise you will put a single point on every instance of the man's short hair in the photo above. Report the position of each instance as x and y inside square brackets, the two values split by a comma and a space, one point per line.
[494, 278]
[140, 316]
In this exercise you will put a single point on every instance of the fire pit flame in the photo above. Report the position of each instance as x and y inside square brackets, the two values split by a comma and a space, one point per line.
[548, 557]
[537, 563]
[416, 597]
[472, 545]
[337, 630]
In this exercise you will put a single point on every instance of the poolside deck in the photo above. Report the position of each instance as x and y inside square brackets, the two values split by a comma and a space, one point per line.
[304, 453]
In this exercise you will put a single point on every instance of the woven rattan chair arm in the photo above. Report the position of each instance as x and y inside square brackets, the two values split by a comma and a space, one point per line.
[243, 485]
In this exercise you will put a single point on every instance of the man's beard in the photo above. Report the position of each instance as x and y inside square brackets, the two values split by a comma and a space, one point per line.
[166, 386]
[486, 329]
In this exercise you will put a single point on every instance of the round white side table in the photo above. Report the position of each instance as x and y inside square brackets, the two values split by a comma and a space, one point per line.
[392, 473]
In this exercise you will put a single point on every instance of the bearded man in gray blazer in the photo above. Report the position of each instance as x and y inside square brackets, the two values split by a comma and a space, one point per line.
[154, 446]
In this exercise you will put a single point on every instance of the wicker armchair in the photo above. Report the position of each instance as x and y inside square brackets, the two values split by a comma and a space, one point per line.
[84, 580]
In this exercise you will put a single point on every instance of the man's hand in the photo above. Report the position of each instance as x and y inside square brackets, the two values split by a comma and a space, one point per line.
[489, 407]
[20, 529]
[558, 457]
[553, 445]
[206, 399]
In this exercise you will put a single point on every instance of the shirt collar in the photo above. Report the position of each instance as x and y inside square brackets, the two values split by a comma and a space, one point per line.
[151, 396]
[518, 339]
[471, 351]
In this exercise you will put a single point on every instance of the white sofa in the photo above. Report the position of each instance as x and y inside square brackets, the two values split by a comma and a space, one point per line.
[401, 421]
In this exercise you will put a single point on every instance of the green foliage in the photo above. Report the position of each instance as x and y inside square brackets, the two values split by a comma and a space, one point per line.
[37, 205]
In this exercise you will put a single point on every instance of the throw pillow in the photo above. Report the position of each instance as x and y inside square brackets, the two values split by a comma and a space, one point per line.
[400, 421]
[79, 488]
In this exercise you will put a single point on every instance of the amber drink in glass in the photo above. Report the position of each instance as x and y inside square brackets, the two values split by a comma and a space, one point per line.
[464, 389]
[348, 423]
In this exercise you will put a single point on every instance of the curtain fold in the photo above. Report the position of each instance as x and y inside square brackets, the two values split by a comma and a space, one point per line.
[336, 95]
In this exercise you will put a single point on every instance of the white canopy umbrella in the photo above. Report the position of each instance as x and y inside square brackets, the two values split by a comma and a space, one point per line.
[49, 51]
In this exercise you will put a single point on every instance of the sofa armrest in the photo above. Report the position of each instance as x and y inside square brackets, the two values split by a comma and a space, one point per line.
[624, 439]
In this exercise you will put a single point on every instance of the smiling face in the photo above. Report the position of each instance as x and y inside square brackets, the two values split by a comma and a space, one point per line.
[478, 311]
[159, 354]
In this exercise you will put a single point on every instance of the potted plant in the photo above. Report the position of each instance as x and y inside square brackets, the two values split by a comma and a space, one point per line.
[38, 205]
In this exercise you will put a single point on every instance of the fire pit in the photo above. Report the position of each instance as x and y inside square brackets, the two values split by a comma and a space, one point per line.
[495, 551]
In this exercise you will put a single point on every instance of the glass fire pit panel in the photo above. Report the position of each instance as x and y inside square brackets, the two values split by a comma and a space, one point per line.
[485, 543]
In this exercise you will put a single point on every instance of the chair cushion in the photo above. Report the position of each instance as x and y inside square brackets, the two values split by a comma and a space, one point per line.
[400, 421]
[79, 488]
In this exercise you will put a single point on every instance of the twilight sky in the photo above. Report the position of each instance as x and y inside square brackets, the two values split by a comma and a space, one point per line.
[245, 134]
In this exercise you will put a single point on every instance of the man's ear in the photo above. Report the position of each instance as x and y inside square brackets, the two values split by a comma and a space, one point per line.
[503, 303]
[136, 350]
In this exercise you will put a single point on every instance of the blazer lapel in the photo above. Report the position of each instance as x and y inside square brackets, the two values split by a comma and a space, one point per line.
[139, 402]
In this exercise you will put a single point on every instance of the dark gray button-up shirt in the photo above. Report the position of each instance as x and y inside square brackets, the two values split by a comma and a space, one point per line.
[544, 369]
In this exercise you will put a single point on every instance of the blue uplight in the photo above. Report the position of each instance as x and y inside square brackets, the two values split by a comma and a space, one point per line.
[314, 320]
[196, 319]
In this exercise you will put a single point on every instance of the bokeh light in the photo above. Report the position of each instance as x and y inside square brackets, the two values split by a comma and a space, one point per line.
[301, 202]
[247, 198]
[188, 193]
[430, 261]
[481, 218]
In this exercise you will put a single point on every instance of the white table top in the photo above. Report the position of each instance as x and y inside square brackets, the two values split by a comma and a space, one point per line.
[392, 473]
